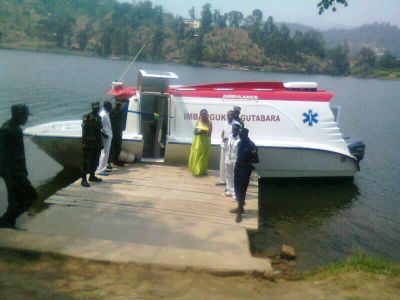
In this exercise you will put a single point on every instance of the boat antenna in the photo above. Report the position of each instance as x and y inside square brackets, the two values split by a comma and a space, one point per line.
[133, 60]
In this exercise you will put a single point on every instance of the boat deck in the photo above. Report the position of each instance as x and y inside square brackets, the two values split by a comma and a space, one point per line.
[147, 213]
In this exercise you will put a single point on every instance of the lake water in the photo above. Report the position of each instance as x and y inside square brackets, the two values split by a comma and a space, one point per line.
[323, 220]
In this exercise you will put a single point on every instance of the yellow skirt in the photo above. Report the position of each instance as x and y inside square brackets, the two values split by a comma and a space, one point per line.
[198, 159]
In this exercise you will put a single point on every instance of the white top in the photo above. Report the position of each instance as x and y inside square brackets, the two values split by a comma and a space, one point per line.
[105, 120]
[227, 133]
[232, 149]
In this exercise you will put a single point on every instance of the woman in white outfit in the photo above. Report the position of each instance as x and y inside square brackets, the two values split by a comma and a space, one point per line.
[230, 159]
[226, 132]
[107, 137]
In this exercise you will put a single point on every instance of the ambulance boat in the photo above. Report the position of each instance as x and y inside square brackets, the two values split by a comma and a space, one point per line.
[292, 124]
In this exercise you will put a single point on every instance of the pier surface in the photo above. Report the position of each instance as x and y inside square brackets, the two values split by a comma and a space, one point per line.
[147, 214]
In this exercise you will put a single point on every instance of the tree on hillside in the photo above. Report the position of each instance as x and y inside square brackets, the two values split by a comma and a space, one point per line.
[298, 40]
[253, 25]
[269, 26]
[63, 29]
[194, 50]
[105, 43]
[235, 18]
[285, 31]
[82, 39]
[313, 43]
[124, 43]
[192, 13]
[157, 40]
[324, 5]
[388, 60]
[340, 59]
[366, 57]
[158, 16]
[254, 19]
[206, 18]
[219, 21]
[180, 28]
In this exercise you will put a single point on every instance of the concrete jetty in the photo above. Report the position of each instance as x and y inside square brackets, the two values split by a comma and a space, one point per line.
[146, 214]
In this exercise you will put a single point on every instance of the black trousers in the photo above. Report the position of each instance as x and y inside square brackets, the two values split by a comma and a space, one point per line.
[115, 150]
[21, 195]
[241, 182]
[90, 160]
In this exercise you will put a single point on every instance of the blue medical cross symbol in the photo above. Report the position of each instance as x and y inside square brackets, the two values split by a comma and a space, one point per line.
[310, 118]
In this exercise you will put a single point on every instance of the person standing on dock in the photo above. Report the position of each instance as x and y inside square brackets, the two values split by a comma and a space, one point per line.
[92, 144]
[247, 155]
[21, 193]
[230, 159]
[107, 134]
[117, 121]
[226, 133]
[198, 159]
[236, 115]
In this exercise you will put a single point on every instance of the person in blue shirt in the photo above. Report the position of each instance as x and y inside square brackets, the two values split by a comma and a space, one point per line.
[247, 154]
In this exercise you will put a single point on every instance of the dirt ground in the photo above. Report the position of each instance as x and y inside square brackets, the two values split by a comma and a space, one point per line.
[47, 276]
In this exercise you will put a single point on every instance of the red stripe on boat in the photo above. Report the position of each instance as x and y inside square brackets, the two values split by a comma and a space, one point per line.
[282, 95]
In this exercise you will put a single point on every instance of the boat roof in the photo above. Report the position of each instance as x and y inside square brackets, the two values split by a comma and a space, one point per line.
[250, 90]
[256, 90]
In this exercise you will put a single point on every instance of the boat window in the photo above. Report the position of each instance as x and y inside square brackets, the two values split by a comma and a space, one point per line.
[124, 114]
[336, 113]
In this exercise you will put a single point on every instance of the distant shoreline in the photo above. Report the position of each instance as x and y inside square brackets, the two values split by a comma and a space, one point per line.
[378, 74]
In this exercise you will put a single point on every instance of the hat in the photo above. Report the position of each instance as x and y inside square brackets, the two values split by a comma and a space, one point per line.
[237, 108]
[18, 109]
[95, 104]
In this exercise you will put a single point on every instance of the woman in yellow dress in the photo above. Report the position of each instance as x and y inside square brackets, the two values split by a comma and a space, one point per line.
[198, 159]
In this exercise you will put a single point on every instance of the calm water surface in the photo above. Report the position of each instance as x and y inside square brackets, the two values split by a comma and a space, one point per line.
[324, 221]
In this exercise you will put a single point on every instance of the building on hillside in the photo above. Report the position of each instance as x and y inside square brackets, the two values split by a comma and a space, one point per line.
[192, 24]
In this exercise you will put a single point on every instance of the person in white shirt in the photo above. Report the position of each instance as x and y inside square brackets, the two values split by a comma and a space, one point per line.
[107, 137]
[226, 132]
[230, 159]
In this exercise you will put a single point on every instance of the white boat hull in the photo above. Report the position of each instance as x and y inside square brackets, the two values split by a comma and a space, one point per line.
[275, 162]
[279, 162]
[67, 151]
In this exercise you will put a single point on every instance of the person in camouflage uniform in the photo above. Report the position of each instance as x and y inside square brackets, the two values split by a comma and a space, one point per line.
[21, 193]
[92, 144]
[117, 122]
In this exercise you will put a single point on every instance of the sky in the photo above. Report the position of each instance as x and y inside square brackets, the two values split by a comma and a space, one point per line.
[305, 12]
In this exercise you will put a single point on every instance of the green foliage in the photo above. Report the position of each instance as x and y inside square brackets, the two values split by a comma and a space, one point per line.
[82, 39]
[388, 61]
[156, 48]
[113, 28]
[366, 263]
[366, 57]
[194, 51]
[235, 18]
[219, 21]
[379, 35]
[340, 60]
[206, 18]
[324, 5]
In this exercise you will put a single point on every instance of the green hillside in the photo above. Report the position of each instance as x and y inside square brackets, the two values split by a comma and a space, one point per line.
[112, 29]
[377, 36]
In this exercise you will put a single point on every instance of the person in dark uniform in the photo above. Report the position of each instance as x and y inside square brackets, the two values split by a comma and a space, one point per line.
[92, 144]
[117, 122]
[247, 154]
[236, 116]
[21, 193]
